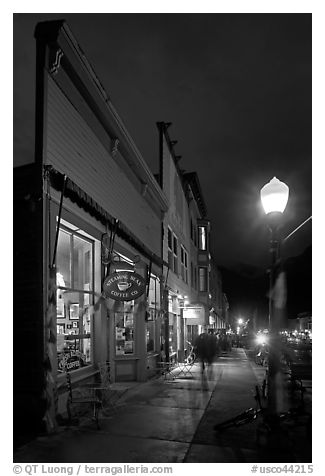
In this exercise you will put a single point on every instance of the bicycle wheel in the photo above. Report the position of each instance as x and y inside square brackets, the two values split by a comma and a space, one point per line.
[245, 417]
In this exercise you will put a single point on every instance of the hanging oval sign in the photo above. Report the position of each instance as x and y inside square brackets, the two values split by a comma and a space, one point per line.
[124, 286]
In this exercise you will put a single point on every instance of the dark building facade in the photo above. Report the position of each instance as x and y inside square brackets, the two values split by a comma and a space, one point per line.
[110, 265]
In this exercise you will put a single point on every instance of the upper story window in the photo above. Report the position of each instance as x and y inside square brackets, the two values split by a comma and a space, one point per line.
[175, 251]
[203, 279]
[170, 250]
[172, 243]
[202, 232]
[184, 264]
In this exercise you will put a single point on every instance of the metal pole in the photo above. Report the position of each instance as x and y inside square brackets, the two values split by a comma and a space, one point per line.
[166, 322]
[274, 357]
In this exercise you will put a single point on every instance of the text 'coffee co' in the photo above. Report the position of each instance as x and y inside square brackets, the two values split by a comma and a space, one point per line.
[124, 286]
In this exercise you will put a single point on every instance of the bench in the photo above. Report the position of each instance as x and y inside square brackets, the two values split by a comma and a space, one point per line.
[98, 395]
[110, 394]
[174, 369]
[165, 368]
[184, 369]
[300, 377]
[83, 395]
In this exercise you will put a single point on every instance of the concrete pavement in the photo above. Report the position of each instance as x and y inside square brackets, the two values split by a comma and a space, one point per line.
[171, 421]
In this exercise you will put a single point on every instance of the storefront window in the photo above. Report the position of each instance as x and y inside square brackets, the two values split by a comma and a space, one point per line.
[75, 298]
[124, 330]
[154, 306]
[150, 336]
[172, 333]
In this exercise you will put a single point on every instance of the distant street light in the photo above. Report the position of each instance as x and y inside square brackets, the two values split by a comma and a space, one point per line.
[274, 197]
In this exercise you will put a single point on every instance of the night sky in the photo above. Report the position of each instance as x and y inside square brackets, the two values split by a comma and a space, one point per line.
[237, 89]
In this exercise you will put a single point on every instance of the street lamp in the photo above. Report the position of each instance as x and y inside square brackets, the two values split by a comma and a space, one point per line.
[274, 197]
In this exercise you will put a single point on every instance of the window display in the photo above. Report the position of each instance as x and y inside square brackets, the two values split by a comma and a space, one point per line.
[172, 333]
[150, 336]
[75, 296]
[124, 331]
[152, 312]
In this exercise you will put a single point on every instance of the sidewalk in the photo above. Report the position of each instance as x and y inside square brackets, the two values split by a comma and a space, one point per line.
[170, 422]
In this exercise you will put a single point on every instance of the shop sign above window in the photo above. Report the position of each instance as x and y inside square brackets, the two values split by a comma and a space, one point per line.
[124, 286]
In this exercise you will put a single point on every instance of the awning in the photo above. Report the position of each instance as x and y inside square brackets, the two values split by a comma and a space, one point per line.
[87, 203]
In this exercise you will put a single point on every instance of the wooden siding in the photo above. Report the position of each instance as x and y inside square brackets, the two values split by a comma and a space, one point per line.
[178, 215]
[74, 149]
[178, 219]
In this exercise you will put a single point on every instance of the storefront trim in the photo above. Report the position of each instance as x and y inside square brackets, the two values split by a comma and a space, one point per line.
[87, 203]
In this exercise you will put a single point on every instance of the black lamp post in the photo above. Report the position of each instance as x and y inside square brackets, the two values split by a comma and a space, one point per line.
[274, 197]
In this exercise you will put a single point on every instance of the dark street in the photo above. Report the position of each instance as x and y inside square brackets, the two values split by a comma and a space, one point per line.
[171, 421]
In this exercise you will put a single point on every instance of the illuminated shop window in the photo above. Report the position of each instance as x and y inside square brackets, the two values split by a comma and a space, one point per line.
[124, 329]
[172, 333]
[153, 307]
[75, 299]
[150, 336]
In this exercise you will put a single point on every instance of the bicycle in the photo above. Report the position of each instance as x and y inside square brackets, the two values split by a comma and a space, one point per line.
[261, 357]
[295, 416]
[190, 359]
[244, 417]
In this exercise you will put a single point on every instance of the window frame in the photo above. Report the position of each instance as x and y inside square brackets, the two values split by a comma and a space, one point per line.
[202, 238]
[84, 236]
[170, 249]
[184, 264]
[203, 288]
[175, 253]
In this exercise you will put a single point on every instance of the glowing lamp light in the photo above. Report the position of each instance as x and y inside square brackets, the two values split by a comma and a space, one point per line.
[261, 339]
[274, 196]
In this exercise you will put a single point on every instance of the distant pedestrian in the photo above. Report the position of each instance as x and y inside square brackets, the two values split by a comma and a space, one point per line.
[206, 348]
[237, 341]
[229, 338]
